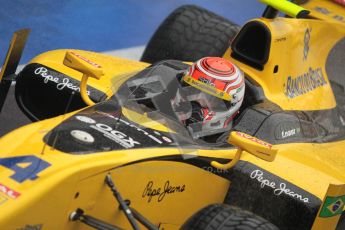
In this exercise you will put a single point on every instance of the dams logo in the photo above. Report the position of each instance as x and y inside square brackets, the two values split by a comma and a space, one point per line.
[332, 206]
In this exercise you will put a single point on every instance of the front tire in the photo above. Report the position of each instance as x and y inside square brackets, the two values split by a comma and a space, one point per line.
[226, 217]
[188, 34]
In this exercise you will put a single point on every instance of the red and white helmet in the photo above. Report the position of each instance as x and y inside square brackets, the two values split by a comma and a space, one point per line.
[220, 86]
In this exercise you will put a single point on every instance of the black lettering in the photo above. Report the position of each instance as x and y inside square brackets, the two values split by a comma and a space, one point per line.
[161, 193]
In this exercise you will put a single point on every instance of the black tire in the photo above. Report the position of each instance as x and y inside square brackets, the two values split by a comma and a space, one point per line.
[226, 217]
[188, 34]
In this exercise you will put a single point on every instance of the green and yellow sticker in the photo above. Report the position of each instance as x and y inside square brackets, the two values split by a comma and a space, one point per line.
[332, 206]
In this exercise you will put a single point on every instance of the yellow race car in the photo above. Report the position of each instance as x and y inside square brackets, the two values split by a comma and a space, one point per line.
[108, 152]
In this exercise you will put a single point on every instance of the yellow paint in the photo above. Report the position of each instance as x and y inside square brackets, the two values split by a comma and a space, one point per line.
[287, 53]
[326, 10]
[77, 181]
[158, 209]
[85, 174]
[83, 65]
[116, 70]
[253, 145]
[325, 222]
[207, 88]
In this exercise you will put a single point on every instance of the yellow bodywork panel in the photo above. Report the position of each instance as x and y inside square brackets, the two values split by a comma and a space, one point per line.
[295, 76]
[151, 190]
[332, 207]
[115, 69]
[158, 181]
[326, 10]
[77, 181]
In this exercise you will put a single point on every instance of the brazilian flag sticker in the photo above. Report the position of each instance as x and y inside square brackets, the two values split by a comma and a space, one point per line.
[332, 206]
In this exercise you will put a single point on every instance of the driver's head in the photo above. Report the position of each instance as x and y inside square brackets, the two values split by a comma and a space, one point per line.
[218, 87]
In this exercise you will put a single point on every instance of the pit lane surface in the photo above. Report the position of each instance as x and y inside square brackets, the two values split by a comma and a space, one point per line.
[120, 28]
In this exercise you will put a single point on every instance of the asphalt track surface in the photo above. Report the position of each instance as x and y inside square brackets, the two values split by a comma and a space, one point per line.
[97, 25]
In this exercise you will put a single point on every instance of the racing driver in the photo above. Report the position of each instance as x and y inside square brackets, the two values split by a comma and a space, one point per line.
[215, 90]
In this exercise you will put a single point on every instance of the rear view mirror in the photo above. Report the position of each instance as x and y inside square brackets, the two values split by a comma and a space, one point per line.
[250, 144]
[253, 145]
[82, 64]
[87, 67]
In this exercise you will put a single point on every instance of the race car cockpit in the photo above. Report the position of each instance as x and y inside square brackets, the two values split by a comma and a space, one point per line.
[163, 88]
[196, 96]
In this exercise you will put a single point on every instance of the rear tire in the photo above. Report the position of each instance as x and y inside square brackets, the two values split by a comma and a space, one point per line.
[226, 217]
[188, 34]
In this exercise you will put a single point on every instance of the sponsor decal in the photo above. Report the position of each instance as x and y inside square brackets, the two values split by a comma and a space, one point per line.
[203, 86]
[159, 141]
[85, 119]
[322, 10]
[207, 88]
[332, 206]
[117, 136]
[152, 191]
[287, 130]
[254, 139]
[9, 192]
[307, 35]
[31, 227]
[289, 133]
[167, 139]
[206, 81]
[282, 39]
[329, 13]
[87, 60]
[61, 83]
[34, 166]
[278, 189]
[304, 83]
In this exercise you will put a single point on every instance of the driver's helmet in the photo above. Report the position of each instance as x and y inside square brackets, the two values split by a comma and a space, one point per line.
[216, 90]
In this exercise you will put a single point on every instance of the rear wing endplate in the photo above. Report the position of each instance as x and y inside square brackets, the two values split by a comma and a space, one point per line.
[8, 70]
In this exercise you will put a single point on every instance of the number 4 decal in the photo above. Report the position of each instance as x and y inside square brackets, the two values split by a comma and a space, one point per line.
[34, 165]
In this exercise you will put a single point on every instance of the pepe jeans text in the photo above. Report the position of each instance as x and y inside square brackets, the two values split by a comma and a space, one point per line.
[277, 189]
[151, 191]
[60, 83]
